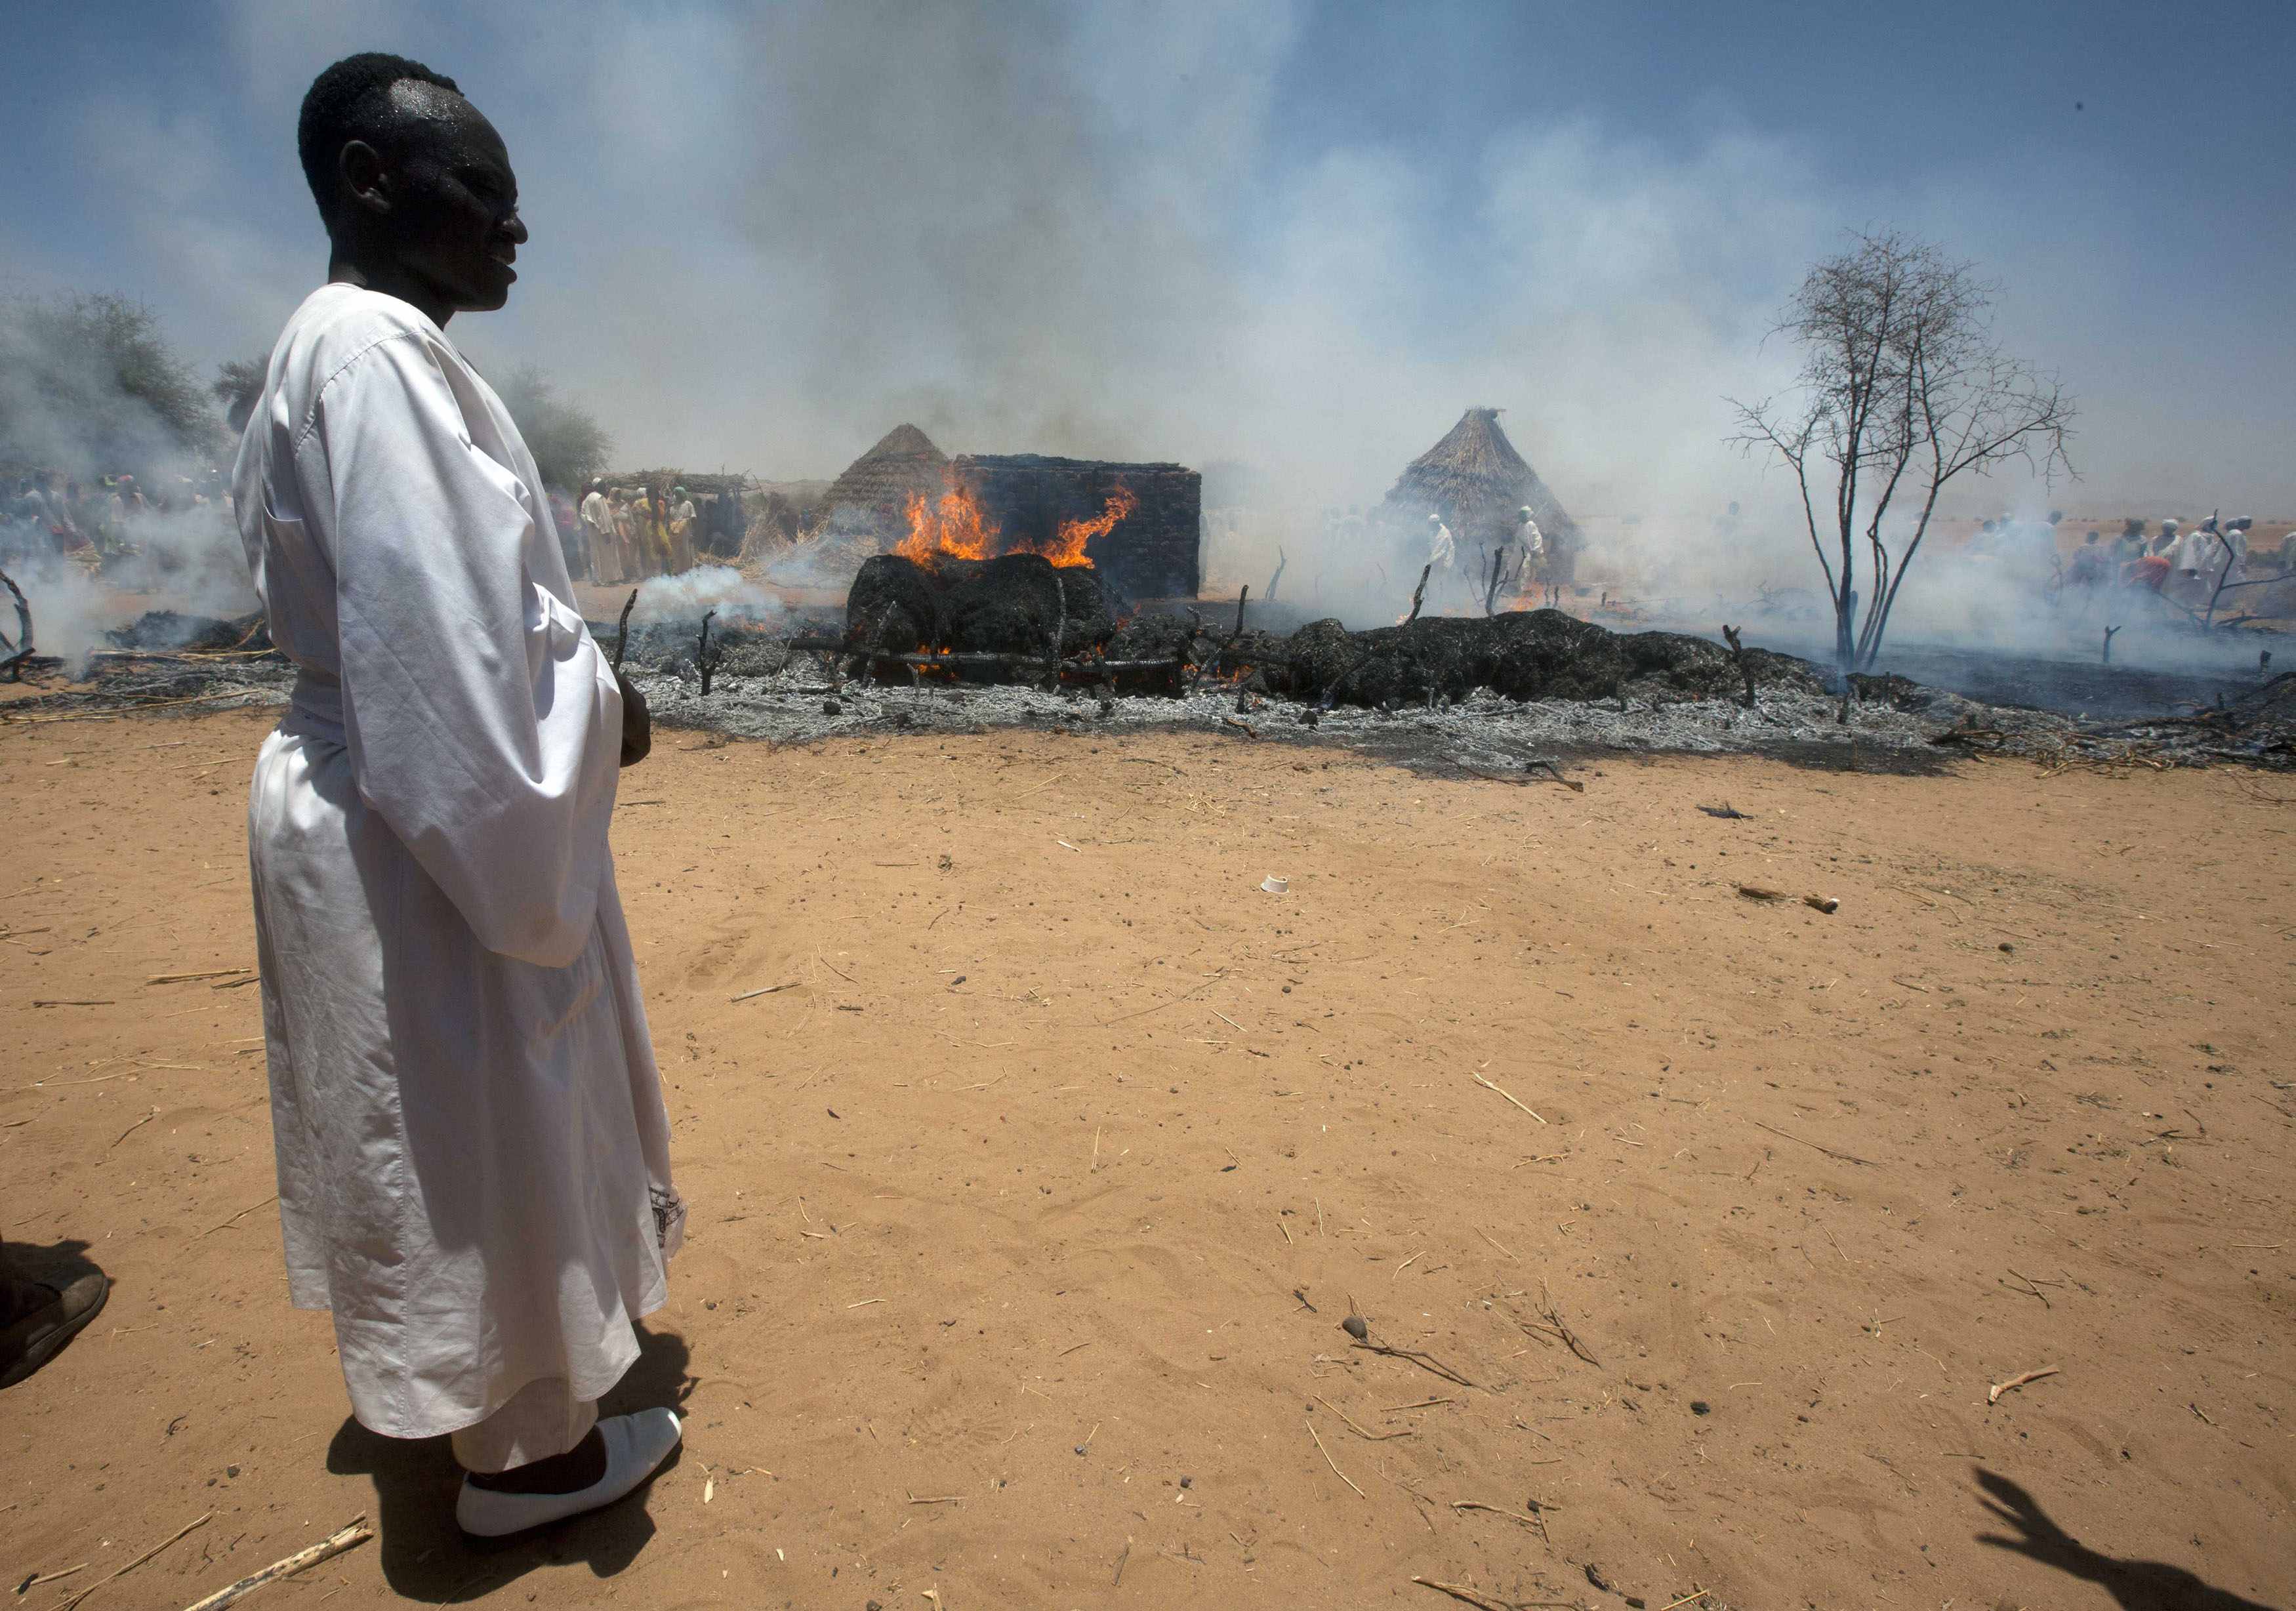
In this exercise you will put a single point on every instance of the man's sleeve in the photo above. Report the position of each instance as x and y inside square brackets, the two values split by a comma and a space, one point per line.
[483, 725]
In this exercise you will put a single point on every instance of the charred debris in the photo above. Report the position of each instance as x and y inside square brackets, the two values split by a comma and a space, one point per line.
[1015, 641]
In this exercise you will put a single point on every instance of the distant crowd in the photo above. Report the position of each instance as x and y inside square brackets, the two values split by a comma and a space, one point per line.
[627, 534]
[46, 514]
[2180, 558]
[2185, 562]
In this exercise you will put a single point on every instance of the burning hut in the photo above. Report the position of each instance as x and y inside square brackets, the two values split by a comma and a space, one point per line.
[1476, 481]
[904, 465]
[1140, 525]
[1025, 555]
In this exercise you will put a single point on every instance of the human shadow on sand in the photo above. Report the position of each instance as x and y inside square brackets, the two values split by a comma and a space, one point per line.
[425, 1557]
[2137, 1585]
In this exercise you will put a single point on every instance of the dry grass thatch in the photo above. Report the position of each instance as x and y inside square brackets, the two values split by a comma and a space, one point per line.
[1477, 481]
[904, 462]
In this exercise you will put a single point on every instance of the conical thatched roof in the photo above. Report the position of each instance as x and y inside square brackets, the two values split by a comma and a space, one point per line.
[881, 479]
[1474, 478]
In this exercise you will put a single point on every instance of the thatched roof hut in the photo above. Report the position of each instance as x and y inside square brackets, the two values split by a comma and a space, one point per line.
[882, 480]
[1476, 481]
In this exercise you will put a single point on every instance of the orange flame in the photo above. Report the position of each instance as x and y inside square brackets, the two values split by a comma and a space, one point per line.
[1068, 548]
[954, 529]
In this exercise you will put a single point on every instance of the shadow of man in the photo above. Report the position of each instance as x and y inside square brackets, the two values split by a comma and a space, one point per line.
[2138, 1585]
[426, 1557]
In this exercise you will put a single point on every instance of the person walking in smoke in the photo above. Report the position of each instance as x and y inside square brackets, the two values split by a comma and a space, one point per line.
[1530, 544]
[473, 1155]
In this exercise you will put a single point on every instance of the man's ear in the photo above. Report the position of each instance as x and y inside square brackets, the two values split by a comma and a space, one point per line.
[365, 183]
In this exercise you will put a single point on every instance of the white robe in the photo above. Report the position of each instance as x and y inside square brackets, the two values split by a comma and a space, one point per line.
[2197, 551]
[1440, 548]
[473, 1155]
[597, 519]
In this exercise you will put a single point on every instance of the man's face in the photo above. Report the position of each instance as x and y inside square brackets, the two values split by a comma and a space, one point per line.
[454, 213]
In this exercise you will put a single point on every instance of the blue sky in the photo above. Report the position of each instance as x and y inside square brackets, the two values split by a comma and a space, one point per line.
[1300, 235]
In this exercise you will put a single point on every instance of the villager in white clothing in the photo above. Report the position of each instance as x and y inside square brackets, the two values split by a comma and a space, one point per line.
[1442, 552]
[598, 530]
[473, 1155]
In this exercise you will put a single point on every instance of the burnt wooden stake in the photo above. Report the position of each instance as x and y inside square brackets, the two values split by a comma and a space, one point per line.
[868, 667]
[1491, 595]
[622, 627]
[2108, 643]
[22, 651]
[1738, 650]
[704, 661]
[1419, 593]
[1242, 596]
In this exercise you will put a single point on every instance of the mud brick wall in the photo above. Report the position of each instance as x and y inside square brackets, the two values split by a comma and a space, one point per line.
[1155, 552]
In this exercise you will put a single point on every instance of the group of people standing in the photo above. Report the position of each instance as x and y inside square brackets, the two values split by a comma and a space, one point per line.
[2180, 555]
[47, 514]
[625, 534]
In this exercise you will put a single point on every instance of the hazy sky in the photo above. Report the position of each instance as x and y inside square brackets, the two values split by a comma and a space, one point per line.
[1303, 236]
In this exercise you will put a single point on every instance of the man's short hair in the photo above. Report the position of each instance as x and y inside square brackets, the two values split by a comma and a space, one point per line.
[350, 100]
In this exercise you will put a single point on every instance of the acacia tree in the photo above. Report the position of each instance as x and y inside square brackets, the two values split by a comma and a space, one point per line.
[568, 446]
[91, 383]
[1903, 389]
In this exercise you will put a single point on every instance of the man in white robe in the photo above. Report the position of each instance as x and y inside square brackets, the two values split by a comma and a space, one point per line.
[473, 1155]
[598, 529]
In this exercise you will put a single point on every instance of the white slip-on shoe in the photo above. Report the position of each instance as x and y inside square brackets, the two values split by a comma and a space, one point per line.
[635, 1445]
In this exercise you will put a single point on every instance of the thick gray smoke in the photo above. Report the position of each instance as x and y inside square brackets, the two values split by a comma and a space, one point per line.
[88, 388]
[762, 236]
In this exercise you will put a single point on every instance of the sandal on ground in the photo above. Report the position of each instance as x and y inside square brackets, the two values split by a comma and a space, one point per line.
[32, 1341]
[635, 1445]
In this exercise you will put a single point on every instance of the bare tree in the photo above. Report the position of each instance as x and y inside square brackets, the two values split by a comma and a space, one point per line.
[1903, 389]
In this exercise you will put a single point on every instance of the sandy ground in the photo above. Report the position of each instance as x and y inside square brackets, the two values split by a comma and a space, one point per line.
[1011, 1209]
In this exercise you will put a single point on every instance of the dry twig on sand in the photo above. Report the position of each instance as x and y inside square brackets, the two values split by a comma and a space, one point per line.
[67, 1605]
[1460, 1591]
[235, 1218]
[1334, 1464]
[1486, 1085]
[1829, 1152]
[132, 1128]
[352, 1533]
[1376, 1437]
[1993, 1394]
[1550, 1327]
[37, 1578]
[1524, 1516]
[1425, 1362]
